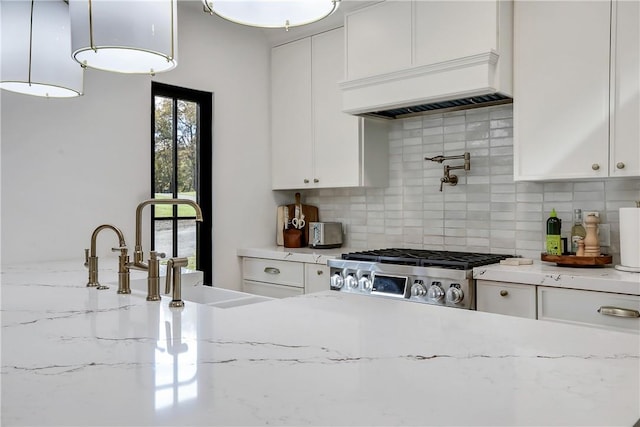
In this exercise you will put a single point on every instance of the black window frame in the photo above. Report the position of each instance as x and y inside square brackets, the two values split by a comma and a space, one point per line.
[204, 196]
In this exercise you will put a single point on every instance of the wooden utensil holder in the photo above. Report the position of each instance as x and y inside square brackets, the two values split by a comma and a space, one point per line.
[292, 238]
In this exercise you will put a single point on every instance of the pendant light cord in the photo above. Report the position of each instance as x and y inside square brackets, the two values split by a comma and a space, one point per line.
[30, 40]
[91, 28]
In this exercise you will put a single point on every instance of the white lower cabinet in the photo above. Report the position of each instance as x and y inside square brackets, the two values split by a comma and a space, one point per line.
[271, 290]
[282, 279]
[600, 309]
[316, 278]
[512, 299]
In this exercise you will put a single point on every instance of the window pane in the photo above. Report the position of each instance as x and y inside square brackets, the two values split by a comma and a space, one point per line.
[187, 138]
[163, 238]
[163, 154]
[187, 241]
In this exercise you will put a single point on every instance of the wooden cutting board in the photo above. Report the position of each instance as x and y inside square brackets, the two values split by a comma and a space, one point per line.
[280, 226]
[310, 215]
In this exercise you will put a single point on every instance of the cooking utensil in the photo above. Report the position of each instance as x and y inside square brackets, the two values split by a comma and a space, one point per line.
[286, 217]
[310, 215]
[298, 223]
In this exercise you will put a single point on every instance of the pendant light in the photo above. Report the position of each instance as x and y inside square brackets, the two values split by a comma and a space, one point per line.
[36, 49]
[272, 13]
[125, 36]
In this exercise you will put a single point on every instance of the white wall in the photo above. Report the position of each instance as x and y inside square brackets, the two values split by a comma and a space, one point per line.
[71, 165]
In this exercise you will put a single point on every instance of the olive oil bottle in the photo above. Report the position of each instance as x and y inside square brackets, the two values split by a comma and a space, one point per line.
[554, 241]
[577, 230]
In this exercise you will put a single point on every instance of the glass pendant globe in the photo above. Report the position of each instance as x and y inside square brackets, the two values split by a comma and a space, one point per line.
[35, 53]
[125, 36]
[272, 13]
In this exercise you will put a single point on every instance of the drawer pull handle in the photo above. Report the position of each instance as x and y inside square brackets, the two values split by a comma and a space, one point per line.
[319, 272]
[618, 312]
[271, 270]
[504, 293]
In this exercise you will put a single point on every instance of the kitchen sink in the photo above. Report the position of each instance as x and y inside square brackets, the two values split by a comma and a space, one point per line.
[195, 291]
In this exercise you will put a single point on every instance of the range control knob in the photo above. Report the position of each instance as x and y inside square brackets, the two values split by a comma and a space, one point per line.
[435, 292]
[337, 281]
[350, 282]
[418, 289]
[455, 294]
[365, 283]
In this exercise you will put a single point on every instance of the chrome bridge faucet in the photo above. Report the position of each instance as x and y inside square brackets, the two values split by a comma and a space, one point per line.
[153, 266]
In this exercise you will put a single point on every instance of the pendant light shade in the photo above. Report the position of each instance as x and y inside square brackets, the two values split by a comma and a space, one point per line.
[125, 36]
[272, 13]
[36, 50]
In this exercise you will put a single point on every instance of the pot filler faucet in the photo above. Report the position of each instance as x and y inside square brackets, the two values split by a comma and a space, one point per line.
[447, 177]
[153, 264]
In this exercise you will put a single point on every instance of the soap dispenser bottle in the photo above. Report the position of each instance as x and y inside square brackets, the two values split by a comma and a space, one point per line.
[554, 241]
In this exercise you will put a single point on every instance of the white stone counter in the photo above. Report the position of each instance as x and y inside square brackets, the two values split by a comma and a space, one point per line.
[309, 255]
[604, 279]
[78, 356]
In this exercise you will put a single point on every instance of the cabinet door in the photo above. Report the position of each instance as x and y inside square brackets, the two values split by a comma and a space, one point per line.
[561, 89]
[378, 39]
[316, 278]
[336, 150]
[291, 125]
[590, 308]
[625, 129]
[273, 271]
[270, 290]
[506, 298]
[475, 24]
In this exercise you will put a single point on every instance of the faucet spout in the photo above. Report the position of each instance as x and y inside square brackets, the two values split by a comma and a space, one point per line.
[138, 255]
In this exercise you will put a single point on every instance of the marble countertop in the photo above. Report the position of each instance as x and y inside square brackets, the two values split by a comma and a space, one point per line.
[77, 356]
[604, 279]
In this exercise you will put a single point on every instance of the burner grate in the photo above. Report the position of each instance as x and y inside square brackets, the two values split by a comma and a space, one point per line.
[426, 258]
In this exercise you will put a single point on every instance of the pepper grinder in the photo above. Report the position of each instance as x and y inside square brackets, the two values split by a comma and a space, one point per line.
[591, 241]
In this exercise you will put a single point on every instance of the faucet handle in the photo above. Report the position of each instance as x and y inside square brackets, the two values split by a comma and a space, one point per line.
[154, 255]
[167, 287]
[176, 265]
[86, 258]
[121, 248]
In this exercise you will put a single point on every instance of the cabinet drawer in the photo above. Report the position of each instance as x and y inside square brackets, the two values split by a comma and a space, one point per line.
[273, 271]
[506, 298]
[583, 308]
[270, 290]
[316, 278]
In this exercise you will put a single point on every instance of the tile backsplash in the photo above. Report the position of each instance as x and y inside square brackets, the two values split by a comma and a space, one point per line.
[485, 212]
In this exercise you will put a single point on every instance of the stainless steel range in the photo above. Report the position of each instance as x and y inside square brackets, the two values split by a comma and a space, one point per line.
[432, 277]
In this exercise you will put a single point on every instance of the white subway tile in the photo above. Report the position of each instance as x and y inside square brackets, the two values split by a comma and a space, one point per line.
[486, 211]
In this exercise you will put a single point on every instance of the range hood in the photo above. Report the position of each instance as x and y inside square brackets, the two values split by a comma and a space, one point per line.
[452, 105]
[470, 82]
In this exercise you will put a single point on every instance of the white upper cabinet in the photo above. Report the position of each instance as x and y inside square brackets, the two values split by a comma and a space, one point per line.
[291, 120]
[407, 52]
[625, 90]
[564, 101]
[315, 144]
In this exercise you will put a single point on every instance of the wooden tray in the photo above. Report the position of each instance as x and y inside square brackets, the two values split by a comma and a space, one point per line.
[577, 261]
